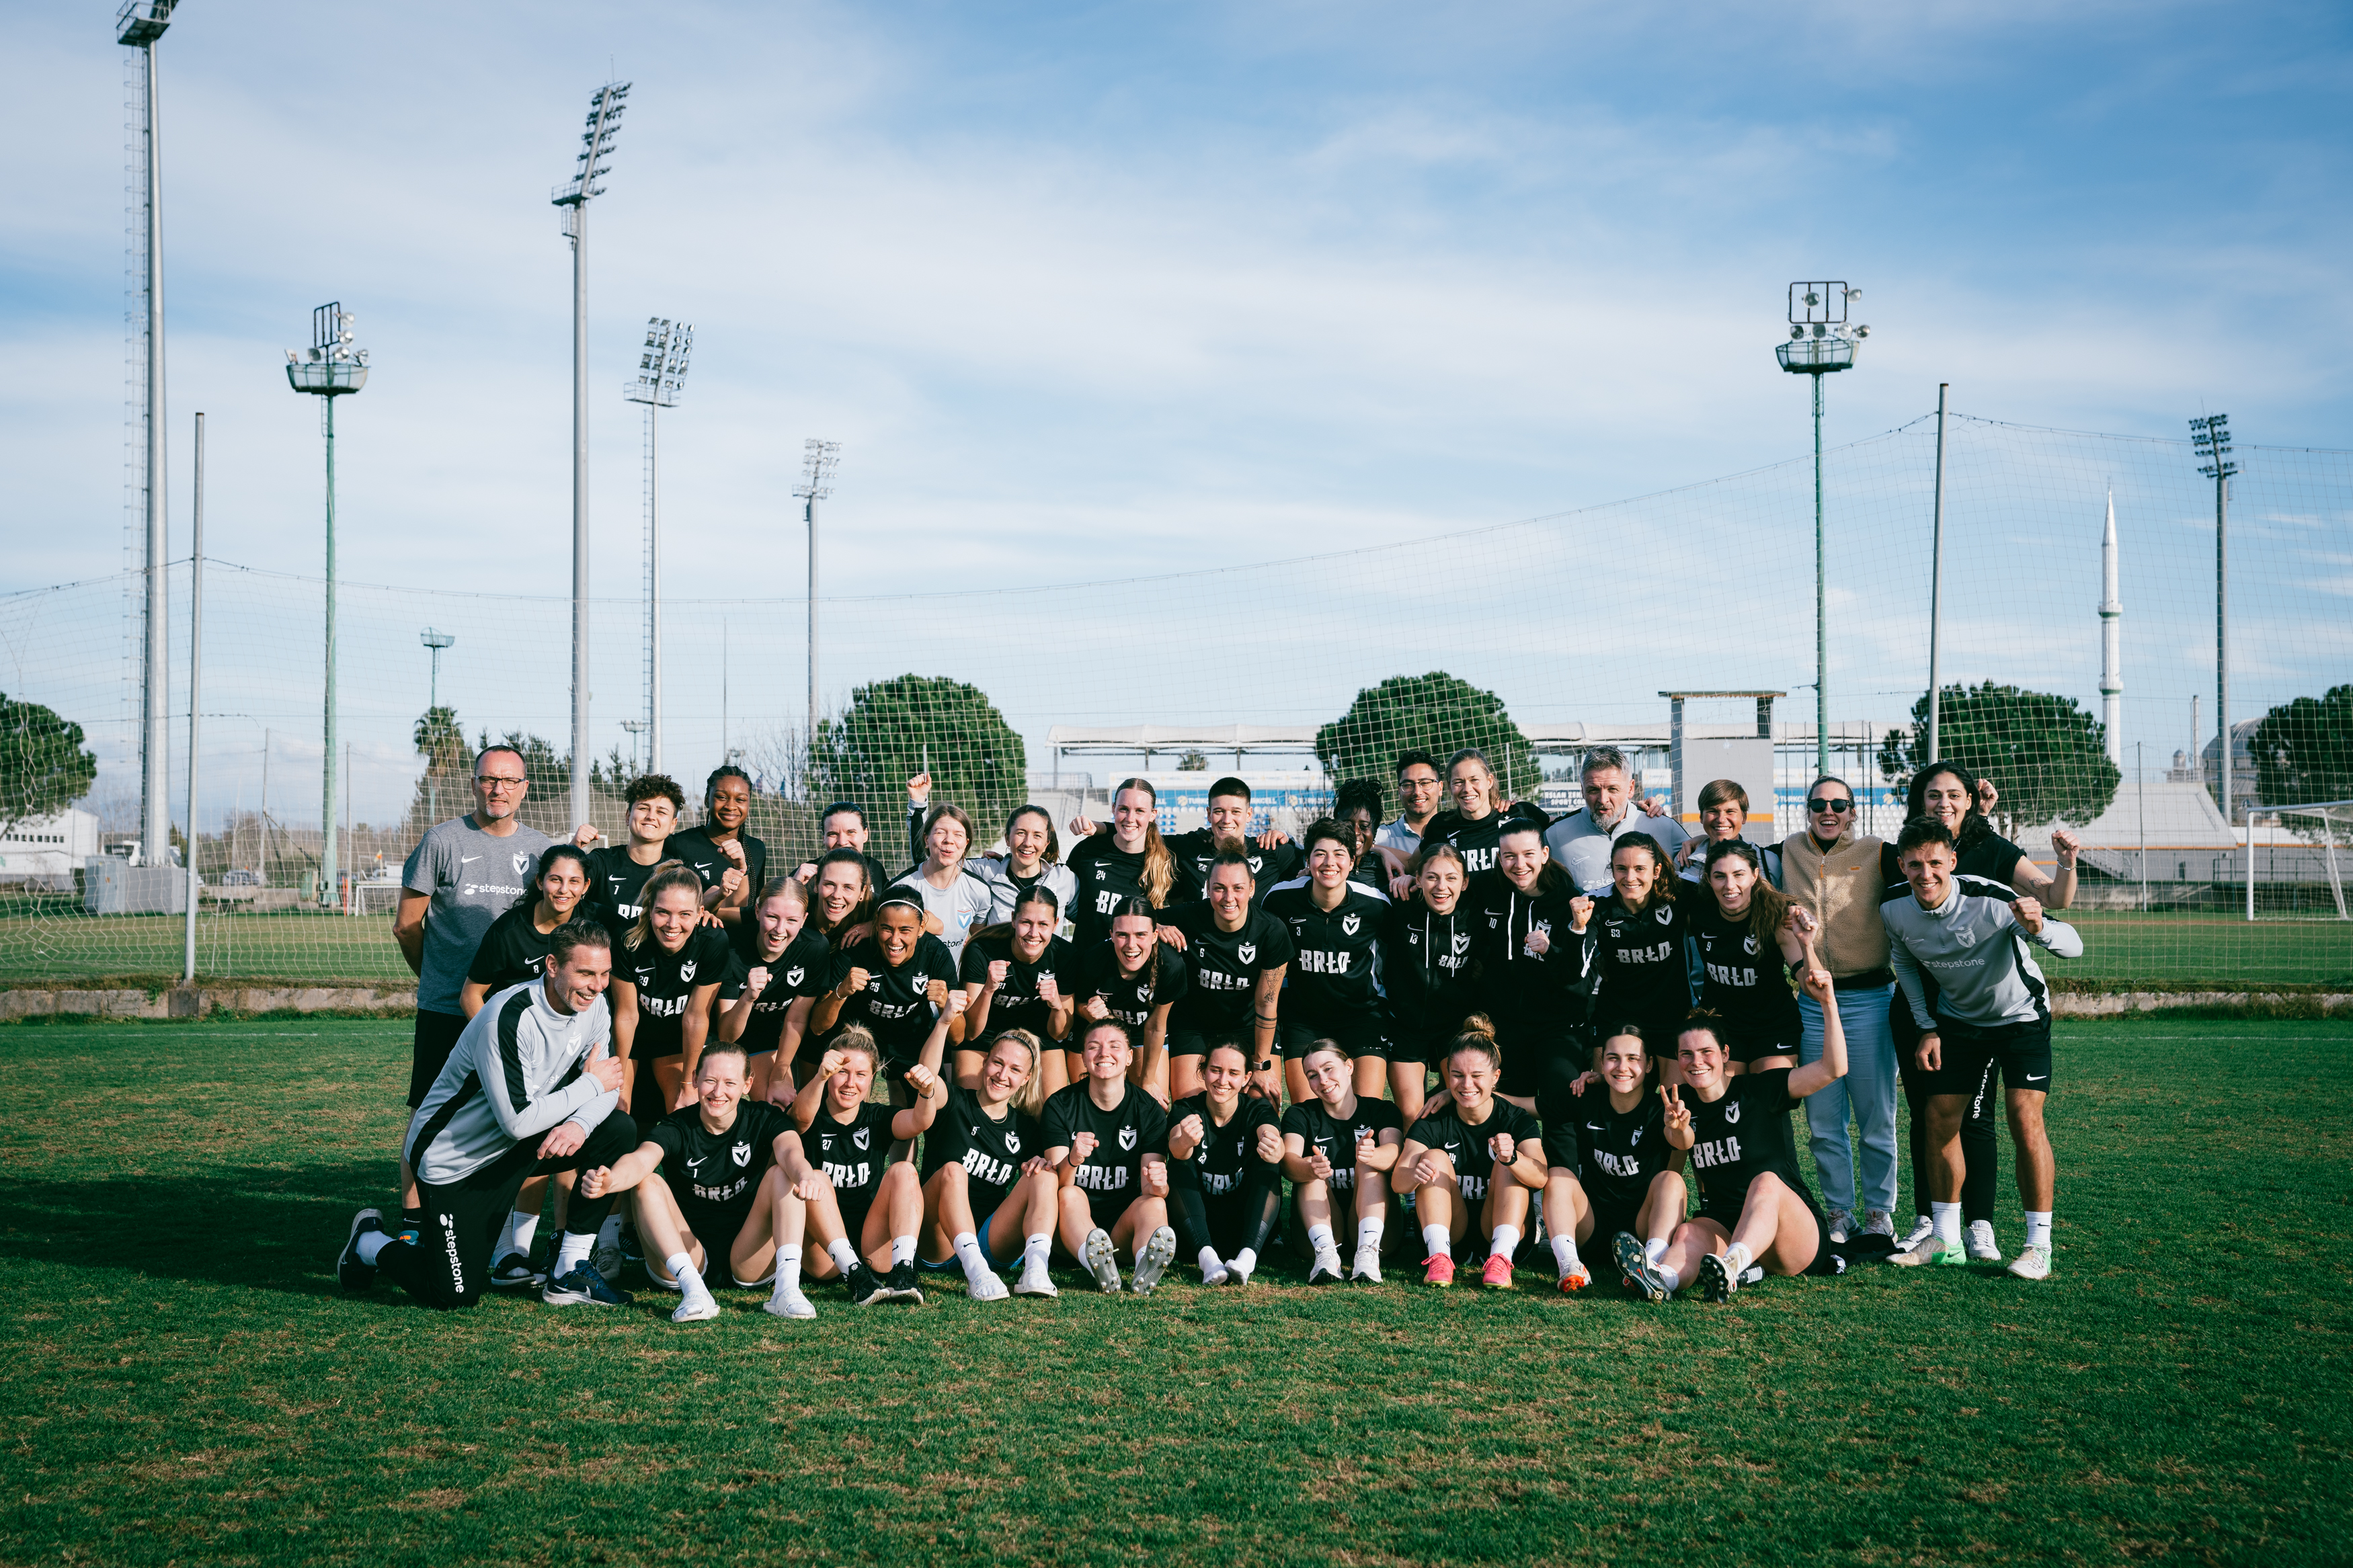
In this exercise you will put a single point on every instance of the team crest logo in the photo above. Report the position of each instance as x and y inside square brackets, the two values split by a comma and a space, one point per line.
[859, 1138]
[792, 977]
[1965, 936]
[686, 969]
[1247, 952]
[1127, 1137]
[1665, 914]
[522, 865]
[743, 1153]
[1732, 1116]
[1351, 923]
[1636, 1139]
[1748, 945]
[1544, 926]
[1013, 1142]
[1461, 941]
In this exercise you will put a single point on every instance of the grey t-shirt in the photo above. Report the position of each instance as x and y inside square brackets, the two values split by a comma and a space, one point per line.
[1582, 844]
[473, 879]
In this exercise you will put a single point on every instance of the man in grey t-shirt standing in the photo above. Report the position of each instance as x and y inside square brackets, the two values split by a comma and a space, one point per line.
[462, 875]
[1582, 840]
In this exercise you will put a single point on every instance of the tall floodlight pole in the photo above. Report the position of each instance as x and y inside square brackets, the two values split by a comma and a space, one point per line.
[661, 375]
[1820, 341]
[196, 686]
[435, 642]
[333, 368]
[595, 146]
[2212, 437]
[1937, 590]
[137, 25]
[818, 461]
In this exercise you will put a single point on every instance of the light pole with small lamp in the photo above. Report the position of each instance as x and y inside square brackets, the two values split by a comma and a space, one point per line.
[333, 368]
[1820, 341]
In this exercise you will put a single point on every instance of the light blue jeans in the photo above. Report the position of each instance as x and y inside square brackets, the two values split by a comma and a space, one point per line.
[1868, 1091]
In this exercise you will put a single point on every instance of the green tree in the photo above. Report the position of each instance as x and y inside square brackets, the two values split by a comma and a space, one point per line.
[443, 790]
[2303, 752]
[44, 767]
[1439, 712]
[2046, 755]
[896, 729]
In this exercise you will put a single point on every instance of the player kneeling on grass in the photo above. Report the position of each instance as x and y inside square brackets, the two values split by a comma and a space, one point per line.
[1614, 1180]
[1470, 1163]
[871, 1205]
[723, 1178]
[1339, 1149]
[1225, 1168]
[1755, 1211]
[1107, 1142]
[528, 1089]
[989, 1197]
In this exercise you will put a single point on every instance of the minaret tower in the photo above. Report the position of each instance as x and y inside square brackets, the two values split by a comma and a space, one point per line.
[2112, 640]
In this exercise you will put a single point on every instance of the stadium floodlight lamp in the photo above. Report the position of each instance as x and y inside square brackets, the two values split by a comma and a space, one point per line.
[141, 22]
[662, 376]
[1821, 344]
[2211, 438]
[335, 366]
[818, 461]
[605, 111]
[661, 363]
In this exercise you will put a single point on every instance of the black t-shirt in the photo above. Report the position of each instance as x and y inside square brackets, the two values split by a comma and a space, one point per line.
[1442, 1127]
[851, 1153]
[1335, 965]
[1114, 1170]
[707, 860]
[1195, 851]
[1319, 1129]
[1226, 1153]
[1546, 991]
[1427, 962]
[1108, 877]
[799, 970]
[665, 982]
[896, 1005]
[513, 949]
[1615, 1154]
[702, 1166]
[1740, 1137]
[1017, 1004]
[1477, 839]
[1132, 997]
[1226, 966]
[1743, 976]
[990, 1150]
[1992, 856]
[614, 883]
[1643, 973]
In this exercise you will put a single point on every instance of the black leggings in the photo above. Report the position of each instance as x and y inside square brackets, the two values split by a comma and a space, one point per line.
[1227, 1222]
[1980, 1127]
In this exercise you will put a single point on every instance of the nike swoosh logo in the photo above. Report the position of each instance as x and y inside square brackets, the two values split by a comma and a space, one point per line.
[2030, 1079]
[467, 859]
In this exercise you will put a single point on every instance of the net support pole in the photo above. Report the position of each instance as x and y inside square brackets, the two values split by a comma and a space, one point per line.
[2140, 798]
[2251, 862]
[2336, 883]
[195, 681]
[155, 744]
[1675, 752]
[1937, 588]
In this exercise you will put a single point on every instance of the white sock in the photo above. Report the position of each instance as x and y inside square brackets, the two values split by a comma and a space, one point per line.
[2038, 1228]
[789, 1270]
[1507, 1238]
[1655, 1248]
[373, 1242]
[1438, 1240]
[1210, 1261]
[1245, 1263]
[1670, 1279]
[572, 1252]
[902, 1250]
[968, 1253]
[1369, 1233]
[1319, 1238]
[520, 1229]
[1736, 1259]
[1949, 1222]
[1037, 1246]
[844, 1256]
[1563, 1252]
[689, 1278]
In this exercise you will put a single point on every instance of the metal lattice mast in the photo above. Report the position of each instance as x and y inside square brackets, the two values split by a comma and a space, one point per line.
[818, 461]
[662, 376]
[1820, 342]
[2212, 437]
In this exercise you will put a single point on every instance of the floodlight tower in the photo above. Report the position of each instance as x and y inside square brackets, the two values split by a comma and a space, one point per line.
[435, 642]
[818, 461]
[2212, 437]
[661, 375]
[335, 368]
[595, 146]
[1820, 341]
[137, 25]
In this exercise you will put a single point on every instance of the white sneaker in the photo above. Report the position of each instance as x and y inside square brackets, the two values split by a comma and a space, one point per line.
[1879, 1222]
[1922, 1229]
[1930, 1248]
[1101, 1260]
[790, 1304]
[1158, 1249]
[1980, 1242]
[986, 1286]
[1841, 1223]
[1034, 1280]
[698, 1308]
[2031, 1263]
[1367, 1266]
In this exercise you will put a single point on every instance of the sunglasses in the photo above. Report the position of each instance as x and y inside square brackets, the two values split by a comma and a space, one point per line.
[1828, 808]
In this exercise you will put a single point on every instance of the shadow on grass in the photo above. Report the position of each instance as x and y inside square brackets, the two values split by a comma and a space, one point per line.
[258, 1226]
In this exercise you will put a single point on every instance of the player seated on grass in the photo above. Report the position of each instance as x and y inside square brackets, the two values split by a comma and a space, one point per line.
[895, 985]
[1470, 1163]
[724, 1178]
[1339, 1148]
[1613, 1179]
[1992, 1012]
[529, 1089]
[1225, 1173]
[1756, 1215]
[780, 967]
[1107, 1143]
[871, 1204]
[989, 1199]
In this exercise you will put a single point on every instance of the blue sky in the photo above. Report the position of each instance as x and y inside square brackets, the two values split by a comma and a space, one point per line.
[1092, 289]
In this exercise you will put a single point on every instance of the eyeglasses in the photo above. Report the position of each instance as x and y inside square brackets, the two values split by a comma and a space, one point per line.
[497, 782]
[1828, 808]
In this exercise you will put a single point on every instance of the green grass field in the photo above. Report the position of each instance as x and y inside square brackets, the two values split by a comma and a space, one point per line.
[185, 1384]
[61, 945]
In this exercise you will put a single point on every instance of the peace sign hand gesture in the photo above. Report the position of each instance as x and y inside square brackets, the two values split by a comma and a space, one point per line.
[1679, 1117]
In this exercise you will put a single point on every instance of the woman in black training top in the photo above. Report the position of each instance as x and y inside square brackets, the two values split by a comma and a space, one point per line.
[514, 949]
[1021, 976]
[1641, 973]
[1334, 989]
[667, 972]
[1225, 1177]
[1535, 963]
[1471, 1164]
[1239, 954]
[895, 985]
[1129, 862]
[1130, 977]
[779, 970]
[1107, 1143]
[1749, 944]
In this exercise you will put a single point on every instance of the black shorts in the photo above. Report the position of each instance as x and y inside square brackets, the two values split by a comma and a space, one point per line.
[1660, 1026]
[1823, 1262]
[1533, 1057]
[1560, 1142]
[1358, 1033]
[1104, 1208]
[436, 1037]
[1750, 1046]
[716, 1224]
[2020, 1052]
[1425, 1045]
[1196, 1042]
[855, 1205]
[1610, 1219]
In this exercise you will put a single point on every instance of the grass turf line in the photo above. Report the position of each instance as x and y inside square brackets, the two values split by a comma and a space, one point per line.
[185, 1382]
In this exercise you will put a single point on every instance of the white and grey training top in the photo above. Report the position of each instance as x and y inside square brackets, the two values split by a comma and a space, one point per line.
[1583, 845]
[1003, 892]
[1976, 951]
[514, 1074]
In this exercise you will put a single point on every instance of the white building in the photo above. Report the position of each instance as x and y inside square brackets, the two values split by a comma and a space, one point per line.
[48, 849]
